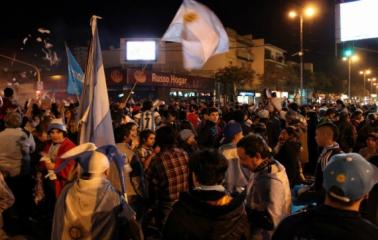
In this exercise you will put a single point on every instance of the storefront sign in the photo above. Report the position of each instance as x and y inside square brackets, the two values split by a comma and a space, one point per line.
[173, 80]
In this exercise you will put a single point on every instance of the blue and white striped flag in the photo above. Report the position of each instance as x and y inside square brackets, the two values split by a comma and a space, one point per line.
[75, 75]
[200, 32]
[95, 119]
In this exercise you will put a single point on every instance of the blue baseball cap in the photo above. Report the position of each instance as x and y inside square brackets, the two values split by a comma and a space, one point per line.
[231, 129]
[348, 177]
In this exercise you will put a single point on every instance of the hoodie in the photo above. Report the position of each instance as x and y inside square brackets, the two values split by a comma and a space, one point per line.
[268, 198]
[207, 215]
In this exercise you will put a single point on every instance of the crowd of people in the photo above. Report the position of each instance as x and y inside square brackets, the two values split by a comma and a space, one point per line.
[191, 170]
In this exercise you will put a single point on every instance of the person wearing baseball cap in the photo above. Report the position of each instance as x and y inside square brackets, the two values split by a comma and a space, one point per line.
[56, 147]
[348, 179]
[236, 176]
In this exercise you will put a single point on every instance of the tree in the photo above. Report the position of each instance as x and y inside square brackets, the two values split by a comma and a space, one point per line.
[275, 75]
[232, 78]
[280, 77]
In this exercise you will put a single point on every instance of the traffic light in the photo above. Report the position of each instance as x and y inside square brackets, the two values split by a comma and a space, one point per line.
[348, 52]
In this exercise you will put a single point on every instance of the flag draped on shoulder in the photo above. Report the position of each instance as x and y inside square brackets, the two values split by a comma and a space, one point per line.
[95, 118]
[75, 75]
[200, 32]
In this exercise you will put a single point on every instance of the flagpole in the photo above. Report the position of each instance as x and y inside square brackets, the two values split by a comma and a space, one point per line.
[132, 89]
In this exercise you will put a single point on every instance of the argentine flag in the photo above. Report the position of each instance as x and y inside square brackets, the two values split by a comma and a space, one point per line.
[95, 120]
[200, 32]
[75, 75]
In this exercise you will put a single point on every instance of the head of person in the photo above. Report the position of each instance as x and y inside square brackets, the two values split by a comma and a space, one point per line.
[348, 178]
[165, 137]
[213, 115]
[40, 133]
[289, 133]
[205, 114]
[232, 132]
[187, 135]
[340, 104]
[294, 106]
[252, 151]
[185, 124]
[147, 105]
[93, 163]
[293, 133]
[238, 116]
[371, 118]
[45, 105]
[13, 120]
[331, 114]
[57, 130]
[129, 131]
[371, 141]
[209, 167]
[8, 92]
[325, 134]
[97, 166]
[358, 116]
[260, 129]
[172, 115]
[68, 114]
[147, 138]
[193, 108]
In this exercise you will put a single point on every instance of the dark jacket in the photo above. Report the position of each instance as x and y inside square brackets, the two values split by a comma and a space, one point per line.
[324, 223]
[273, 130]
[289, 157]
[194, 218]
[347, 137]
[209, 135]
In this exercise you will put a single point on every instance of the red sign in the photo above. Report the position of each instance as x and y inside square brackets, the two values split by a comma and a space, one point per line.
[170, 80]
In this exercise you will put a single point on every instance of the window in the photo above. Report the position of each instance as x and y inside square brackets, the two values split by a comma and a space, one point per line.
[268, 54]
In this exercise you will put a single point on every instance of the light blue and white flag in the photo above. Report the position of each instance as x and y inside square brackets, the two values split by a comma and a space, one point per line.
[95, 118]
[75, 75]
[200, 32]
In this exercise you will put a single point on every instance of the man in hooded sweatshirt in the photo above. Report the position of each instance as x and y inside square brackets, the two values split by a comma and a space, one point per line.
[268, 198]
[207, 211]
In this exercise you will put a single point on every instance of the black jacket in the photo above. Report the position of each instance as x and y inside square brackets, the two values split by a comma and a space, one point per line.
[193, 218]
[323, 223]
[209, 135]
[289, 157]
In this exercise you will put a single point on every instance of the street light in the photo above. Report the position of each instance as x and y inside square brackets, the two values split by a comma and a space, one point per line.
[308, 12]
[350, 59]
[365, 73]
[24, 63]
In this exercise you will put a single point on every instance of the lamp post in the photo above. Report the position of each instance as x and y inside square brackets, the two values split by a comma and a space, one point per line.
[365, 73]
[308, 11]
[350, 58]
[24, 63]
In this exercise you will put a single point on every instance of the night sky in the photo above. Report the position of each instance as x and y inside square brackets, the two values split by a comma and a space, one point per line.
[69, 22]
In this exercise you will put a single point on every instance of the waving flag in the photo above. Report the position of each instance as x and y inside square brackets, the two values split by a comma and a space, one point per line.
[200, 32]
[75, 75]
[95, 119]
